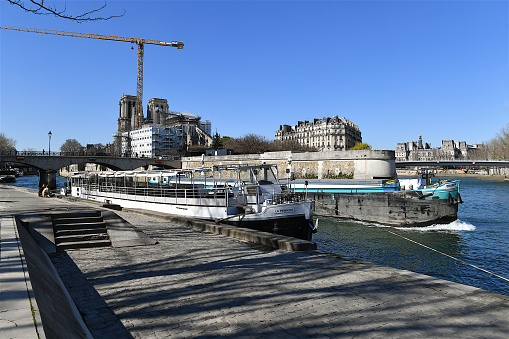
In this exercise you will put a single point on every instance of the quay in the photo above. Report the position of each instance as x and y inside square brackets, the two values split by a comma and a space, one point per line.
[178, 282]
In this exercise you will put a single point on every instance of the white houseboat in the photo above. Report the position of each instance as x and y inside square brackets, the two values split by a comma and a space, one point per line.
[242, 195]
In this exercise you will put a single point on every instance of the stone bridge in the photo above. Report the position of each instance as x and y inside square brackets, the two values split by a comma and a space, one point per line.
[456, 163]
[48, 165]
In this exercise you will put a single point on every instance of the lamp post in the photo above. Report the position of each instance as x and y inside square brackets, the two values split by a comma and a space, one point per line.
[49, 143]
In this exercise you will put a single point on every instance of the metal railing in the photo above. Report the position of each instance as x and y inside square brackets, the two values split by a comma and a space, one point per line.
[82, 154]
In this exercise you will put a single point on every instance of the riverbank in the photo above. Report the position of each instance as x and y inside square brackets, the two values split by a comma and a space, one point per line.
[413, 174]
[191, 284]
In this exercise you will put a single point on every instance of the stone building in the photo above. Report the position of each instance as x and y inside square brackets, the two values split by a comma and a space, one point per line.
[157, 111]
[454, 149]
[190, 129]
[127, 113]
[327, 134]
[449, 149]
[414, 150]
[161, 130]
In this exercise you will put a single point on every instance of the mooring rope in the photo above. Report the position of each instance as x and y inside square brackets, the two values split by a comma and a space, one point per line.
[447, 255]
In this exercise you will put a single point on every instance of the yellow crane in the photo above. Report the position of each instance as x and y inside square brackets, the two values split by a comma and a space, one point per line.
[139, 42]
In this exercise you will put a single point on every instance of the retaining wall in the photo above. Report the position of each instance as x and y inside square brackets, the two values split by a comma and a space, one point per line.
[362, 165]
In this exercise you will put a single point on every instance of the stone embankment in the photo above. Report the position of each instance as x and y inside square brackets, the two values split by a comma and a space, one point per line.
[191, 284]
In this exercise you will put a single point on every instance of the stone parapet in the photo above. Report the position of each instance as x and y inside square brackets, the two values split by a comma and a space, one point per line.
[362, 165]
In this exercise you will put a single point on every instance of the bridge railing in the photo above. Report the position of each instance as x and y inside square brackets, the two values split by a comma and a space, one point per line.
[82, 154]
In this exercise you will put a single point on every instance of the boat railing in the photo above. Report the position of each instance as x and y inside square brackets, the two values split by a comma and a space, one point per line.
[215, 196]
[218, 194]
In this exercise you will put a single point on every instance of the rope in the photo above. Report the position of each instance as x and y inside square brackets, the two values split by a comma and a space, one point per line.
[450, 256]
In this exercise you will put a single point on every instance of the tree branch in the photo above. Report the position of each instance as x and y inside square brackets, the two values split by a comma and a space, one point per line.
[41, 8]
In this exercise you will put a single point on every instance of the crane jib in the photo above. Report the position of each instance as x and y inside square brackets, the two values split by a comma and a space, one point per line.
[177, 44]
[139, 42]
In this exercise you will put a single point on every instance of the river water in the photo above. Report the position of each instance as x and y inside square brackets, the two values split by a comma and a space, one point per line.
[480, 237]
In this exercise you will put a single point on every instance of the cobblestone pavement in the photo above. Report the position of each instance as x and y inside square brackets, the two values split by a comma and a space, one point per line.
[202, 285]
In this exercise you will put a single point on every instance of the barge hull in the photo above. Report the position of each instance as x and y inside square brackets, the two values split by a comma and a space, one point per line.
[386, 208]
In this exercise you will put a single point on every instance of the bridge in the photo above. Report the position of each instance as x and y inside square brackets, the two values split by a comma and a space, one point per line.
[48, 165]
[455, 163]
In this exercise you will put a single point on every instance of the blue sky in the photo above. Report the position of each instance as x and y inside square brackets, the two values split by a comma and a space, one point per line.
[397, 69]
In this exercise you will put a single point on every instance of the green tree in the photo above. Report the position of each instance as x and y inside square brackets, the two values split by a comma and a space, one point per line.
[71, 146]
[7, 144]
[360, 146]
[217, 142]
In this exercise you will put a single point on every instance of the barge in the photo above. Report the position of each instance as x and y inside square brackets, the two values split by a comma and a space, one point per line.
[388, 202]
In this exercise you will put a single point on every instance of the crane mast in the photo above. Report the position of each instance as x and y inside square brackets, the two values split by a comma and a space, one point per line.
[139, 42]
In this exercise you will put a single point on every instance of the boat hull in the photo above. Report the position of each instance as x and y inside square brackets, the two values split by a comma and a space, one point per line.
[390, 209]
[444, 191]
[7, 178]
[290, 219]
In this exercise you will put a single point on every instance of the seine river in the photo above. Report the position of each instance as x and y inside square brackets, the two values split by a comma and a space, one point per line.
[480, 237]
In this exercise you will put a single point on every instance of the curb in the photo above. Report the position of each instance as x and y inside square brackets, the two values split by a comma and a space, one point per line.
[275, 241]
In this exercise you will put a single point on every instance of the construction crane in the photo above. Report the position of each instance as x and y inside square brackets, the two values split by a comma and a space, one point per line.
[139, 42]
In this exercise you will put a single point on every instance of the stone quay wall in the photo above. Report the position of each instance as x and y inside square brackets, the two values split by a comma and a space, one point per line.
[361, 165]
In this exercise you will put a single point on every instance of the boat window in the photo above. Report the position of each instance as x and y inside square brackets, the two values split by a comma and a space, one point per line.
[260, 175]
[265, 176]
[246, 176]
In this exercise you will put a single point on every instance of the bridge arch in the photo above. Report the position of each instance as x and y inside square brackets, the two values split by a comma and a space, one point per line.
[48, 165]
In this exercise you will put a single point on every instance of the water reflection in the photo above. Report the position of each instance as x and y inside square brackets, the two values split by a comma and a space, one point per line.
[414, 249]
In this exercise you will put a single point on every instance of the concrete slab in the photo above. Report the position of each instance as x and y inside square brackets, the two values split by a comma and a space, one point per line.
[123, 234]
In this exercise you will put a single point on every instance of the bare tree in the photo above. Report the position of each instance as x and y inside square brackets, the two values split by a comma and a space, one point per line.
[7, 144]
[71, 146]
[290, 145]
[42, 7]
[249, 143]
[255, 144]
[498, 147]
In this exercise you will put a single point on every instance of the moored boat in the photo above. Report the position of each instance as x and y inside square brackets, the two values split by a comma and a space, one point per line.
[242, 195]
[407, 202]
[7, 175]
[345, 186]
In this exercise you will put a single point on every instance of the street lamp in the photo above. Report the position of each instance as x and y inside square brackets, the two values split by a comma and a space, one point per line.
[49, 143]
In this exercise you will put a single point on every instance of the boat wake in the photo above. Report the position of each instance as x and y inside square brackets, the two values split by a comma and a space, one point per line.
[456, 225]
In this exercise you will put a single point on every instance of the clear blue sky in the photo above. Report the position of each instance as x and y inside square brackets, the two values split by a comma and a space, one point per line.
[397, 69]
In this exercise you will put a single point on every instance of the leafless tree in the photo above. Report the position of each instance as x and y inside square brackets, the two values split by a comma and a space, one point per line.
[249, 143]
[255, 144]
[498, 147]
[42, 7]
[71, 146]
[7, 144]
[290, 145]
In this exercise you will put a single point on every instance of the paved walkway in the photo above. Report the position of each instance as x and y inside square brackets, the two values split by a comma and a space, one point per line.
[193, 284]
[19, 314]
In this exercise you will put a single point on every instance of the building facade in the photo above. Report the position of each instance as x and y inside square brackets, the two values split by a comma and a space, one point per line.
[327, 134]
[450, 149]
[149, 141]
[162, 130]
